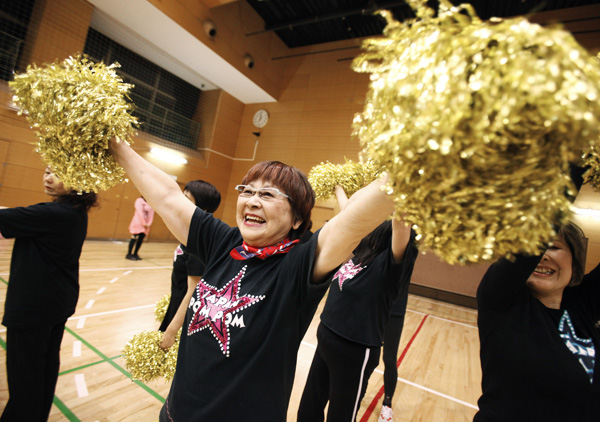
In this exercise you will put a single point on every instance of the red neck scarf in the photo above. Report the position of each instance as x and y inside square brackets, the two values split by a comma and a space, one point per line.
[246, 251]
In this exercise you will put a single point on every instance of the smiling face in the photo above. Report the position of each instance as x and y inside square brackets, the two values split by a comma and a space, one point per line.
[553, 273]
[52, 185]
[264, 223]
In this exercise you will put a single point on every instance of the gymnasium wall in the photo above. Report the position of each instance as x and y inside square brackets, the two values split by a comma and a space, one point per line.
[317, 96]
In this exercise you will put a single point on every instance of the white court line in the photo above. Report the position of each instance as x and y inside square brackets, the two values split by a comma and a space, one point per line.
[123, 268]
[111, 312]
[80, 385]
[113, 280]
[127, 272]
[437, 393]
[81, 322]
[447, 305]
[90, 304]
[76, 348]
[101, 290]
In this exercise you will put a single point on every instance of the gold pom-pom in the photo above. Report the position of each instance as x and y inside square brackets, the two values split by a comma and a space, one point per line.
[160, 309]
[591, 160]
[167, 369]
[144, 358]
[351, 176]
[76, 107]
[475, 122]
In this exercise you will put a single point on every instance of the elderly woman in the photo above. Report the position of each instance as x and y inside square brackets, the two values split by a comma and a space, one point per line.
[42, 293]
[260, 288]
[538, 339]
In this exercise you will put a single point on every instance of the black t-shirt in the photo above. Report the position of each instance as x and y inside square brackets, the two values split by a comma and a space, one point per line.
[359, 302]
[43, 286]
[184, 265]
[529, 373]
[237, 356]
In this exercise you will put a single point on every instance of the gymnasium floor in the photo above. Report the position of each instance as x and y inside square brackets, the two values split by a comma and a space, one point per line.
[439, 374]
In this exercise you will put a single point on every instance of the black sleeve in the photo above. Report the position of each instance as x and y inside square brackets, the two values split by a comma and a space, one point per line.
[504, 283]
[35, 220]
[590, 288]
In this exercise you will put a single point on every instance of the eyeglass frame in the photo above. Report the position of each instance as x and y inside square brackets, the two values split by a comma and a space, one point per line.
[274, 191]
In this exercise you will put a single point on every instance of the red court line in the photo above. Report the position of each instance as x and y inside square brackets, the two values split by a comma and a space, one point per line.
[379, 394]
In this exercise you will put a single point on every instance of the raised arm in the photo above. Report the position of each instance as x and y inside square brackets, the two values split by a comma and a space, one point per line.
[364, 211]
[400, 238]
[160, 191]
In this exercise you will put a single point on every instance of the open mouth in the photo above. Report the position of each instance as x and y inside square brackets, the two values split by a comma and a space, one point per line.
[544, 271]
[253, 219]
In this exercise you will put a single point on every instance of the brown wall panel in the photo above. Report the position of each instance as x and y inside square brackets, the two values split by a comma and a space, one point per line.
[318, 95]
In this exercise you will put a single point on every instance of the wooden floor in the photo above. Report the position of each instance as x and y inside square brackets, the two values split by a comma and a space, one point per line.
[439, 375]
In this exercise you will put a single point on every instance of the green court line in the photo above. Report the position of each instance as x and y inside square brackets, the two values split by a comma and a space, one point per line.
[65, 410]
[116, 366]
[86, 366]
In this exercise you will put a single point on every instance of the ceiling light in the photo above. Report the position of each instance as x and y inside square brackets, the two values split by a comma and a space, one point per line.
[168, 156]
[587, 212]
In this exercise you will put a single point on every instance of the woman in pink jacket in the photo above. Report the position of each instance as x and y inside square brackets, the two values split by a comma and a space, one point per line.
[139, 227]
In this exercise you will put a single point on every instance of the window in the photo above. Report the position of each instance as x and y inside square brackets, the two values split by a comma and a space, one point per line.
[164, 104]
[14, 21]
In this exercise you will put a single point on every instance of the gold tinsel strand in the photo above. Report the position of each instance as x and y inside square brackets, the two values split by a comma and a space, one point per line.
[145, 360]
[475, 122]
[160, 309]
[351, 175]
[592, 160]
[76, 107]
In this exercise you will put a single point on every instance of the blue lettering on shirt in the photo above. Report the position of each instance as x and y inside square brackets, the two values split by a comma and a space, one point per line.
[583, 349]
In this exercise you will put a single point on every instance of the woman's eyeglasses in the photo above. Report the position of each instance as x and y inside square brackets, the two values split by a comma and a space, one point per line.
[265, 194]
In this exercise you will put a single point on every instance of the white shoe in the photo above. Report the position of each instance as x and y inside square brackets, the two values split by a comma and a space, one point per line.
[386, 414]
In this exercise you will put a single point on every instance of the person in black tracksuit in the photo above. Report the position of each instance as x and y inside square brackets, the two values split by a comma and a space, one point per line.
[350, 334]
[391, 341]
[42, 293]
[187, 270]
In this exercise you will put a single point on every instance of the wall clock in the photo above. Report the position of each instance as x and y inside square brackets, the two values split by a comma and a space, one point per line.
[261, 117]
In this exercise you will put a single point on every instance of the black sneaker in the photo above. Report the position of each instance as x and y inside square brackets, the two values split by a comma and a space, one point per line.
[136, 258]
[131, 257]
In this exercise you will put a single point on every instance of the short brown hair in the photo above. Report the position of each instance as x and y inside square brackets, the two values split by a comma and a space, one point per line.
[575, 239]
[294, 183]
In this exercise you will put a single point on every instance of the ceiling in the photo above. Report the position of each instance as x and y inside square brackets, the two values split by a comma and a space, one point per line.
[307, 22]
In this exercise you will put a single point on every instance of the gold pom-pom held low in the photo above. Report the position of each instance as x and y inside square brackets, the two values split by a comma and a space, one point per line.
[351, 175]
[475, 122]
[146, 361]
[160, 309]
[76, 107]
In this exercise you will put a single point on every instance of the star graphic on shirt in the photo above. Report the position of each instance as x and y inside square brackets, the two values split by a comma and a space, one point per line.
[582, 348]
[346, 272]
[178, 251]
[215, 305]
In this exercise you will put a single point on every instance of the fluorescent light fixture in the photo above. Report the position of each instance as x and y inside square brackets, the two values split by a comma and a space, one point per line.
[168, 156]
[587, 212]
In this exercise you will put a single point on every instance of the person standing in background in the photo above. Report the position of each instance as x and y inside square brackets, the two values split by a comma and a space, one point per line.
[391, 341]
[187, 270]
[139, 227]
[351, 331]
[42, 293]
